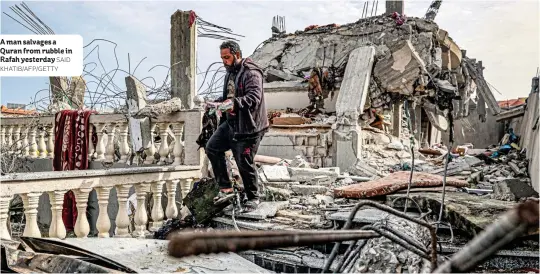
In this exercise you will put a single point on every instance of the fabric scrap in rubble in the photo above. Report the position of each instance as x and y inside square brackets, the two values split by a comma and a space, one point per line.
[392, 183]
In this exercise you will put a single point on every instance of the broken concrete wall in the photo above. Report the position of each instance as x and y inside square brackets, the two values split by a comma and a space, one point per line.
[472, 130]
[528, 130]
[315, 147]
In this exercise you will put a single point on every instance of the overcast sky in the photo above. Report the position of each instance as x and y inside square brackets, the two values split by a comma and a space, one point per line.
[504, 34]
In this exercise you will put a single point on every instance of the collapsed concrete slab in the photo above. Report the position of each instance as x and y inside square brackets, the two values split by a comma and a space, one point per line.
[399, 70]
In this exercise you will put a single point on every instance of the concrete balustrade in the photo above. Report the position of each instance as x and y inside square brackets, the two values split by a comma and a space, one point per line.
[174, 160]
[30, 186]
[33, 137]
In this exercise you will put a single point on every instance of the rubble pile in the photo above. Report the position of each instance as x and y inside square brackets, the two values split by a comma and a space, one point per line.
[413, 60]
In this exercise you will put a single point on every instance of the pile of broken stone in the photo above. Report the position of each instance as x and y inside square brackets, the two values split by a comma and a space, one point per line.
[298, 194]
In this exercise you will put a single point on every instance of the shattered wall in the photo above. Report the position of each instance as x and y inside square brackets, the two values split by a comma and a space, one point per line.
[528, 131]
[472, 130]
[312, 144]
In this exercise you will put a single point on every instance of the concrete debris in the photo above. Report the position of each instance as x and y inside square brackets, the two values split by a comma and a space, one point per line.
[166, 107]
[513, 190]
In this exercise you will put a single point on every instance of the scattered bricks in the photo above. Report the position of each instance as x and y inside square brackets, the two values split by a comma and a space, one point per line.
[307, 174]
[276, 173]
[307, 190]
[300, 217]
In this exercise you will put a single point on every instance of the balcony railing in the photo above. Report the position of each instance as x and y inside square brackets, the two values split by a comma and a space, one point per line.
[30, 186]
[166, 164]
[33, 137]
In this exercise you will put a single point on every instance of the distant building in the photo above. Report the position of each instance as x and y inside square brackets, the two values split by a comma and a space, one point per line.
[512, 103]
[16, 106]
[14, 112]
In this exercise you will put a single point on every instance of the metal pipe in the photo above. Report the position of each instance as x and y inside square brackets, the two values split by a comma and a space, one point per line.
[193, 243]
[390, 210]
[510, 226]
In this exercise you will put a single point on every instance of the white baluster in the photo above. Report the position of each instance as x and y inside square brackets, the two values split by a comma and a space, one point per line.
[9, 139]
[185, 187]
[100, 149]
[82, 227]
[178, 129]
[122, 218]
[50, 141]
[124, 144]
[57, 228]
[42, 147]
[25, 142]
[164, 147]
[32, 142]
[151, 150]
[17, 139]
[109, 151]
[157, 209]
[141, 216]
[30, 203]
[4, 210]
[103, 222]
[91, 149]
[171, 211]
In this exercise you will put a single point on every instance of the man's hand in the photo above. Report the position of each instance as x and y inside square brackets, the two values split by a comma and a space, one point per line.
[227, 106]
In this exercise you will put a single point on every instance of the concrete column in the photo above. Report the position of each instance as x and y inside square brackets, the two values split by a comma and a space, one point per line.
[183, 57]
[346, 140]
[397, 119]
[59, 89]
[140, 136]
[395, 6]
[76, 91]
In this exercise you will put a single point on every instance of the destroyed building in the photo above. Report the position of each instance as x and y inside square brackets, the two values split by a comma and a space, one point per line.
[393, 89]
[371, 67]
[429, 92]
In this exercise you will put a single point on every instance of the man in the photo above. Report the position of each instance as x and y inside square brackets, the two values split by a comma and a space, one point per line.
[243, 124]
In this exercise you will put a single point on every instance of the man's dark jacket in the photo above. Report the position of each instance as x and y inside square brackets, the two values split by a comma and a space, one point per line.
[249, 105]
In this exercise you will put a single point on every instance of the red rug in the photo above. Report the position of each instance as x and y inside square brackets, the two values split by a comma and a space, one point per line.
[71, 139]
[393, 183]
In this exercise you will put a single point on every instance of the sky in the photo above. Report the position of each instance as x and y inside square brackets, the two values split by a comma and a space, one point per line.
[503, 34]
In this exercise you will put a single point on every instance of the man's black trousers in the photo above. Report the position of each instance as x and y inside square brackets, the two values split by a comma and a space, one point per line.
[243, 151]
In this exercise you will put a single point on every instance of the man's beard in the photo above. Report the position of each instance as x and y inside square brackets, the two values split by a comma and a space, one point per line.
[231, 67]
